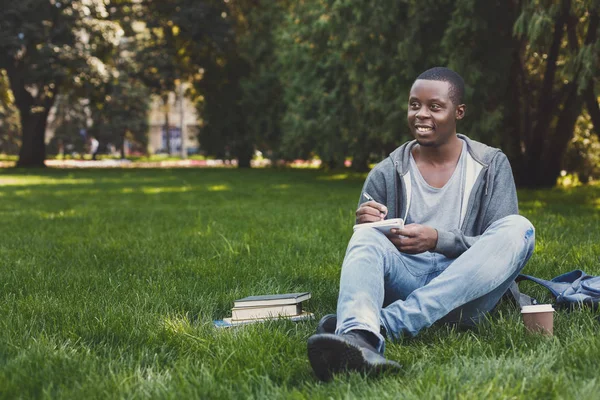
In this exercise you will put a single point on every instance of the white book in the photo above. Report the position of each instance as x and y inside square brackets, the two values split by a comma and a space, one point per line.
[285, 310]
[384, 226]
[229, 322]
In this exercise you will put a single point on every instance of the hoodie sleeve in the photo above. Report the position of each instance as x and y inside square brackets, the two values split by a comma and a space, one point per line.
[499, 199]
[375, 186]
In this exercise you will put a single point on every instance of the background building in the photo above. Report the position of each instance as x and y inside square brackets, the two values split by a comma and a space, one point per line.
[157, 140]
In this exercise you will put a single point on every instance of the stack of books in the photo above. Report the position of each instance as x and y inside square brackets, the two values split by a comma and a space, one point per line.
[267, 307]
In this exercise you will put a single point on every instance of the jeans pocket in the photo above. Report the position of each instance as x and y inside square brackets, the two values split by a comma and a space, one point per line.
[422, 264]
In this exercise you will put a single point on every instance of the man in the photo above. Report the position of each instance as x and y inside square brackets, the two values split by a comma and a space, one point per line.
[462, 245]
[94, 144]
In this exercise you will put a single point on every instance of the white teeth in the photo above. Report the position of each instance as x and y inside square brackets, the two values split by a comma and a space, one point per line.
[422, 129]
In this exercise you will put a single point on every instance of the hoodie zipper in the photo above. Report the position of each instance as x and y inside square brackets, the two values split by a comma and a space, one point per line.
[396, 193]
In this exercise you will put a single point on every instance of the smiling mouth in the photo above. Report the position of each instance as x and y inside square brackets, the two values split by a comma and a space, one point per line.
[424, 129]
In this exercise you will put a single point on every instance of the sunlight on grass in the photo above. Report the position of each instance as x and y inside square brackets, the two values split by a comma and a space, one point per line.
[57, 215]
[533, 205]
[597, 203]
[41, 180]
[128, 177]
[218, 188]
[149, 381]
[281, 186]
[336, 177]
[156, 190]
[177, 325]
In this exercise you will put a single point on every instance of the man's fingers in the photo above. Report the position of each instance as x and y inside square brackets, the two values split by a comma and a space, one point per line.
[361, 219]
[396, 241]
[368, 211]
[375, 205]
[404, 232]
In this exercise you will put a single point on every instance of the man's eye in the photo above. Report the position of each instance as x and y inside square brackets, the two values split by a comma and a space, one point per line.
[414, 105]
[435, 107]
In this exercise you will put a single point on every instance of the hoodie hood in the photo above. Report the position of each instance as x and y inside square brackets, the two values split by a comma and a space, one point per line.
[481, 153]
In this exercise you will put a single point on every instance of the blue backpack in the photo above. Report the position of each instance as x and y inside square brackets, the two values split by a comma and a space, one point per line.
[572, 289]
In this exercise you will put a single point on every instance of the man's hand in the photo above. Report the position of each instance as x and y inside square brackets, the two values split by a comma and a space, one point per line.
[371, 211]
[414, 238]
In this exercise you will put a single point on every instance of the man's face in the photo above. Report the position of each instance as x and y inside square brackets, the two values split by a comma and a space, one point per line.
[431, 114]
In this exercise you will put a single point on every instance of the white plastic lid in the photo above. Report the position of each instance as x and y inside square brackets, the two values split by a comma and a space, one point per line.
[537, 308]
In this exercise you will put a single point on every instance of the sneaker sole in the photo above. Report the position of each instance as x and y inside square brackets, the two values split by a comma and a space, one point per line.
[329, 354]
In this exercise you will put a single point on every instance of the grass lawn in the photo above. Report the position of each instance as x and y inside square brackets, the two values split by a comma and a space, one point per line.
[110, 280]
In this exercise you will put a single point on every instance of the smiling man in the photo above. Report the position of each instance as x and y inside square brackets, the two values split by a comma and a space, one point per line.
[462, 245]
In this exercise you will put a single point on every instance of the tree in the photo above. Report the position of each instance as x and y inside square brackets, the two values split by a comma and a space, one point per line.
[48, 47]
[347, 71]
[531, 68]
[9, 119]
[261, 88]
[170, 47]
[556, 64]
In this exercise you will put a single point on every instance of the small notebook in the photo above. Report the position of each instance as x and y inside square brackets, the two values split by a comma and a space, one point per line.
[384, 226]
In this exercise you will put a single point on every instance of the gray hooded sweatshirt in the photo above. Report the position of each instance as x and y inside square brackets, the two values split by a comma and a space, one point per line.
[489, 194]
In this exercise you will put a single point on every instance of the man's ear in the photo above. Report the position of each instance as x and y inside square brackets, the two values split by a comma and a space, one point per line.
[461, 109]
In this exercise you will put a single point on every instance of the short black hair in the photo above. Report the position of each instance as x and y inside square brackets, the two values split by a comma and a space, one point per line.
[457, 84]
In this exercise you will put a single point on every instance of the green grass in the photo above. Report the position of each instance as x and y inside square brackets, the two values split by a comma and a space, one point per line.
[110, 280]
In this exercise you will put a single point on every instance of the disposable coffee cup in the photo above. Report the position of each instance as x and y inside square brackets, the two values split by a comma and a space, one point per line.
[539, 318]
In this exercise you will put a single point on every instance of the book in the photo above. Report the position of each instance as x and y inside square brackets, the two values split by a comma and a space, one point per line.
[229, 322]
[283, 310]
[272, 300]
[384, 226]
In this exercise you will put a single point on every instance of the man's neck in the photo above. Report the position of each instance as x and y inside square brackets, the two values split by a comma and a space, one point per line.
[447, 153]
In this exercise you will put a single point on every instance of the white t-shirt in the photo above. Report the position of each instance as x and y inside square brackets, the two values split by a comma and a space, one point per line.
[438, 208]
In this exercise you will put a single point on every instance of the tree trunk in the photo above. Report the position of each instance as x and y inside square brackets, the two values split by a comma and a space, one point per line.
[123, 146]
[166, 127]
[34, 118]
[361, 150]
[564, 131]
[167, 133]
[244, 155]
[332, 163]
[515, 117]
[33, 148]
[546, 106]
[360, 161]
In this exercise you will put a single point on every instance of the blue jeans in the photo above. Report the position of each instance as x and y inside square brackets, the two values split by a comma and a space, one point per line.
[405, 293]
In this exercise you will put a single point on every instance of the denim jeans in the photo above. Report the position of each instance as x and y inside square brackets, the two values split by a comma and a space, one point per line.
[406, 293]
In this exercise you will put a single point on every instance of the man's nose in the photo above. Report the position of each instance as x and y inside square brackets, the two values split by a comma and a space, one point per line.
[422, 113]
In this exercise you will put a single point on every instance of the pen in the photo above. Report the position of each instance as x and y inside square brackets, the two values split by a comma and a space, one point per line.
[368, 197]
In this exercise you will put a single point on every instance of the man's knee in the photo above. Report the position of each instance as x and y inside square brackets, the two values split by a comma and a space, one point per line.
[518, 230]
[370, 237]
[515, 223]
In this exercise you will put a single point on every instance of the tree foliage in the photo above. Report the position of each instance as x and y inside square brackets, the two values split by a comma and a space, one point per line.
[239, 93]
[326, 78]
[47, 47]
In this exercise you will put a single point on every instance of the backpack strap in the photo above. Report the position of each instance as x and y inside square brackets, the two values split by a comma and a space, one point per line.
[557, 285]
[518, 298]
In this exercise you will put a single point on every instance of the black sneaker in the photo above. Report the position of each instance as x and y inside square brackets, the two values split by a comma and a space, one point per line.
[330, 354]
[328, 323]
